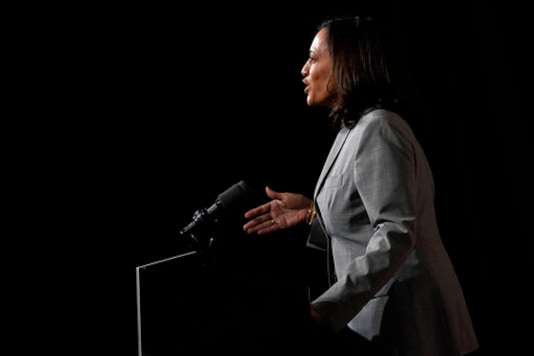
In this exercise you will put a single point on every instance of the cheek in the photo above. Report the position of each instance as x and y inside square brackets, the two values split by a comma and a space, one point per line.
[321, 90]
[320, 78]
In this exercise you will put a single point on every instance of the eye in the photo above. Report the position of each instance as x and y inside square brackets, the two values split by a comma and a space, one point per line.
[312, 57]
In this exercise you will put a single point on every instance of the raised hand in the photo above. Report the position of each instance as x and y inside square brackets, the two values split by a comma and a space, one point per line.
[284, 210]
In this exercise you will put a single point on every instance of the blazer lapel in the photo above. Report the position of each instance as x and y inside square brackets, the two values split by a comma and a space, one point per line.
[332, 155]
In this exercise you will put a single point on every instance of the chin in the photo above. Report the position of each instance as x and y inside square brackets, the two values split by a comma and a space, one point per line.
[311, 102]
[315, 103]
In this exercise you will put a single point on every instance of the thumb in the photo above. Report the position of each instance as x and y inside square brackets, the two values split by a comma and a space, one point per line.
[271, 193]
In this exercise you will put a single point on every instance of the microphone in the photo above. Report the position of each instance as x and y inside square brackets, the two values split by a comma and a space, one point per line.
[233, 200]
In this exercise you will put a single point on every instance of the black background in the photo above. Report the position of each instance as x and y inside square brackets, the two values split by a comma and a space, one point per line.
[166, 108]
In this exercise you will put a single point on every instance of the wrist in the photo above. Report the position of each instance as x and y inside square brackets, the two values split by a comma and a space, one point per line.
[312, 213]
[314, 314]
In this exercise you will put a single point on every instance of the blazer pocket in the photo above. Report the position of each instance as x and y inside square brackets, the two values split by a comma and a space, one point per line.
[333, 181]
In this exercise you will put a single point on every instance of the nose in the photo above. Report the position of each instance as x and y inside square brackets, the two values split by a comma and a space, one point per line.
[305, 68]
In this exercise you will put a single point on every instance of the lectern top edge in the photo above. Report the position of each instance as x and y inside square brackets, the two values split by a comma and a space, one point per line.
[166, 259]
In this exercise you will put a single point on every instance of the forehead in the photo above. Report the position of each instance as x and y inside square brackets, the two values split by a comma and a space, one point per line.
[319, 41]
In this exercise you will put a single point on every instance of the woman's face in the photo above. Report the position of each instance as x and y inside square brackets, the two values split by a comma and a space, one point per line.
[317, 73]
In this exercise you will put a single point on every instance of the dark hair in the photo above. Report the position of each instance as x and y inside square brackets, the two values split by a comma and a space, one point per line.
[363, 65]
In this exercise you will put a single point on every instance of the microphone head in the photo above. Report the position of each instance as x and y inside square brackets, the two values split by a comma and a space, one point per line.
[230, 204]
[238, 198]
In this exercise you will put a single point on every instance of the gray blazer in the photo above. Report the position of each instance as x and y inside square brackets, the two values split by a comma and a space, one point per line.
[375, 197]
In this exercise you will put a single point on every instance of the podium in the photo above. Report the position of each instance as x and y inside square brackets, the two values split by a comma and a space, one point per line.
[169, 305]
[185, 306]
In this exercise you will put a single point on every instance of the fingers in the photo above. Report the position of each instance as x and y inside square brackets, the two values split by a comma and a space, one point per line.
[268, 226]
[261, 221]
[262, 209]
[253, 212]
[261, 225]
[257, 223]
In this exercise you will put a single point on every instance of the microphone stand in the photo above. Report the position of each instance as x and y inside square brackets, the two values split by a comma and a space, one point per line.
[202, 239]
